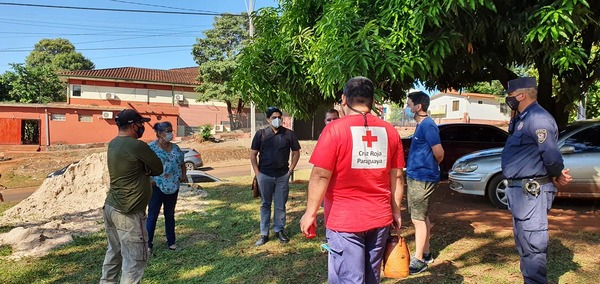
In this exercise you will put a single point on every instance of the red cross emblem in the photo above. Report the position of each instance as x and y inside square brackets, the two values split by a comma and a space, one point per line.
[369, 139]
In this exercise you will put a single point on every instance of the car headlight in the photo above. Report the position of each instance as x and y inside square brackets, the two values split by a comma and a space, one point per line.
[464, 167]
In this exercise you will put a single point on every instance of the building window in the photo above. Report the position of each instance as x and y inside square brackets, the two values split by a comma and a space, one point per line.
[86, 118]
[480, 102]
[58, 117]
[76, 91]
[454, 105]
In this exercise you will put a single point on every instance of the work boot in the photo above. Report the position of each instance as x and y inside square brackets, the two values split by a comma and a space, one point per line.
[282, 237]
[263, 240]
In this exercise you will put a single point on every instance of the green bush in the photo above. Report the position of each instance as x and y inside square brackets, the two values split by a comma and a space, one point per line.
[206, 129]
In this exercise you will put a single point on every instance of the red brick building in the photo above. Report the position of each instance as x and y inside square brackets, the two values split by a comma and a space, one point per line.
[94, 97]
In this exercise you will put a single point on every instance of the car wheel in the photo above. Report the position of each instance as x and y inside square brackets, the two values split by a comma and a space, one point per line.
[496, 191]
[189, 166]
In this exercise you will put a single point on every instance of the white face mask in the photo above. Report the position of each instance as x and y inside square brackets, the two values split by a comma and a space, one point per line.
[169, 137]
[276, 122]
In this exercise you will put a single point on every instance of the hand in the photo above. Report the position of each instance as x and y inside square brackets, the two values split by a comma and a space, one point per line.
[564, 178]
[306, 221]
[397, 223]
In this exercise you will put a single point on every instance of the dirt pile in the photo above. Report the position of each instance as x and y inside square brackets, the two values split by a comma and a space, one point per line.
[69, 204]
[81, 188]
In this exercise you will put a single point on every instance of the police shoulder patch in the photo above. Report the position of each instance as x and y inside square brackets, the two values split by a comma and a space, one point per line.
[542, 134]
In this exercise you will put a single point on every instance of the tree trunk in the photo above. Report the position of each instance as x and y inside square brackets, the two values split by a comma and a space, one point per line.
[545, 98]
[238, 113]
[229, 114]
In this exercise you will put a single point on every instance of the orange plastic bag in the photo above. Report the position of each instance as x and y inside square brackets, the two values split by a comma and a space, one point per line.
[396, 258]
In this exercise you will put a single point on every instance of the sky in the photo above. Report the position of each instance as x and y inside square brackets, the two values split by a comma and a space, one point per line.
[112, 39]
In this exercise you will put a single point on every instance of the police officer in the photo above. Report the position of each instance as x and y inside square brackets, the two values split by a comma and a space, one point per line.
[533, 165]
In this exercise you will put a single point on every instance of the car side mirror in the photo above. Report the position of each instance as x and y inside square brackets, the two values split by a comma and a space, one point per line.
[567, 149]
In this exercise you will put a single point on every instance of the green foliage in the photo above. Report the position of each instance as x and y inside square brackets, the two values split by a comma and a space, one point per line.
[216, 55]
[205, 132]
[305, 50]
[58, 54]
[36, 81]
[32, 85]
[493, 88]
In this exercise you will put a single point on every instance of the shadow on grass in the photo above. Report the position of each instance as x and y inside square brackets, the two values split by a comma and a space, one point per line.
[216, 245]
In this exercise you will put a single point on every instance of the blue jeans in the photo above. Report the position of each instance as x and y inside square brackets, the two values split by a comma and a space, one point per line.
[356, 257]
[158, 199]
[273, 190]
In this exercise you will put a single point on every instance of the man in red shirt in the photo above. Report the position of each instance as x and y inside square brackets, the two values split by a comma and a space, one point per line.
[358, 164]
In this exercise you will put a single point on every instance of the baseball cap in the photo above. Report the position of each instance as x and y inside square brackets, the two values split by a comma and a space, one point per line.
[271, 110]
[521, 83]
[129, 116]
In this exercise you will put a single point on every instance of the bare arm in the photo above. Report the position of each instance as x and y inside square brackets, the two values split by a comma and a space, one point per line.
[317, 186]
[397, 189]
[254, 161]
[438, 152]
[295, 158]
[183, 177]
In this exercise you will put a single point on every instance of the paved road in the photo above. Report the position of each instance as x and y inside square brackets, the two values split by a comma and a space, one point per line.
[18, 194]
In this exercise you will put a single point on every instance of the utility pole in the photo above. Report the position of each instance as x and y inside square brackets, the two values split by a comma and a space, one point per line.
[250, 7]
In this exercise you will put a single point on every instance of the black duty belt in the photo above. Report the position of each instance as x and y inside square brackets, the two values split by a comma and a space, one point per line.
[529, 185]
[520, 182]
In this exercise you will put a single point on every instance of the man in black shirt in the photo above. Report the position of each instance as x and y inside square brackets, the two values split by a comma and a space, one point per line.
[273, 171]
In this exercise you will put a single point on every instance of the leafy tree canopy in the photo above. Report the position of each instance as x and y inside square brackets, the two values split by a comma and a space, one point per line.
[32, 85]
[216, 55]
[315, 46]
[59, 54]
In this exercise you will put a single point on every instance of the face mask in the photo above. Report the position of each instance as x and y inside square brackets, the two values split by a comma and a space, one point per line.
[408, 111]
[168, 137]
[140, 131]
[276, 122]
[512, 102]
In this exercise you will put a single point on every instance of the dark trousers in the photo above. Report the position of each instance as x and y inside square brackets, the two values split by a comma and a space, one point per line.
[169, 201]
[356, 257]
[530, 227]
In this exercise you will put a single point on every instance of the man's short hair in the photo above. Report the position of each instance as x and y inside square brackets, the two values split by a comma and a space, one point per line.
[420, 98]
[332, 110]
[271, 110]
[359, 91]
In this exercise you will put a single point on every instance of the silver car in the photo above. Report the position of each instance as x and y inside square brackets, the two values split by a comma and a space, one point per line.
[480, 173]
[192, 159]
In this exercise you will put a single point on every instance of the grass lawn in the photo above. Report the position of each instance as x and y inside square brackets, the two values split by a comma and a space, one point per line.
[217, 246]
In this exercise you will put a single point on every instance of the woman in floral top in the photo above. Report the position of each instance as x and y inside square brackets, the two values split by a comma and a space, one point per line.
[165, 187]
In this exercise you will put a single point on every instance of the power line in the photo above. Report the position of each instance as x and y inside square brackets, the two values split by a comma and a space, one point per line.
[120, 10]
[159, 6]
[110, 48]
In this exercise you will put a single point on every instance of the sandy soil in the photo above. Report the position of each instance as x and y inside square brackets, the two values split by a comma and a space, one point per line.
[70, 204]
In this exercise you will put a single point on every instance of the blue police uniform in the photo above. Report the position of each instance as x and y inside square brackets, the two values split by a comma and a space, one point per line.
[531, 154]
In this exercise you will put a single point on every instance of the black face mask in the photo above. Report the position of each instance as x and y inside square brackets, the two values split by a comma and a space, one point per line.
[512, 102]
[140, 130]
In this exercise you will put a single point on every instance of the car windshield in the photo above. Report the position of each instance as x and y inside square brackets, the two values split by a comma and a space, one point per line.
[567, 131]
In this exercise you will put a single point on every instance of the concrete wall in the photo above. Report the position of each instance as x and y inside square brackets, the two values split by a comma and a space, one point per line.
[471, 109]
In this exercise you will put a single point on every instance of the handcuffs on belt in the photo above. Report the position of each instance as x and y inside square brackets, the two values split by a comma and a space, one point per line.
[531, 186]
